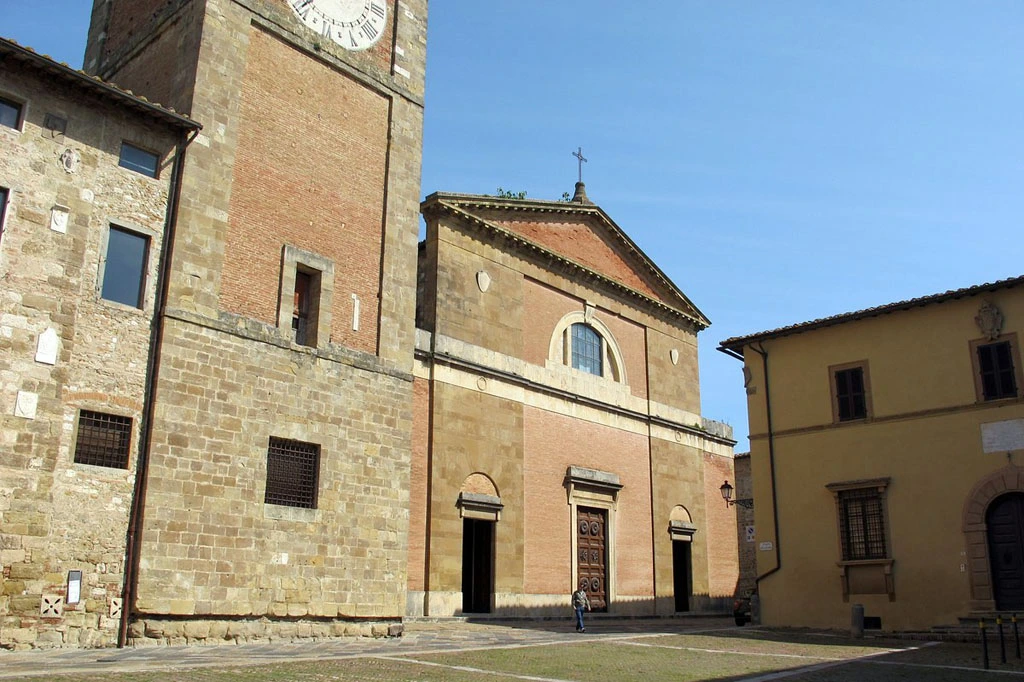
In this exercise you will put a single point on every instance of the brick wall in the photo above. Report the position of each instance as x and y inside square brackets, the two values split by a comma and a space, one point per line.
[582, 242]
[309, 171]
[552, 444]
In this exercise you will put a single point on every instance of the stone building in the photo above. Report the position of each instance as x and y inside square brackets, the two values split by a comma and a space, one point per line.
[558, 438]
[86, 173]
[887, 456]
[239, 432]
[277, 473]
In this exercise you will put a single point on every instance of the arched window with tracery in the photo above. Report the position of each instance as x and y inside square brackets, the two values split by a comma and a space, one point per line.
[581, 341]
[586, 349]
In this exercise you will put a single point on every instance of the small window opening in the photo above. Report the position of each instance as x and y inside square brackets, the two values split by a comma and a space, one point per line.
[998, 380]
[10, 113]
[850, 395]
[124, 271]
[293, 470]
[139, 160]
[103, 439]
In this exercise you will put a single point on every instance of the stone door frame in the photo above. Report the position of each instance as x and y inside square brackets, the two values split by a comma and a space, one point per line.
[1009, 479]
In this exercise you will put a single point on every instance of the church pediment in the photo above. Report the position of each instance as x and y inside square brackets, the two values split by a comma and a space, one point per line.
[581, 234]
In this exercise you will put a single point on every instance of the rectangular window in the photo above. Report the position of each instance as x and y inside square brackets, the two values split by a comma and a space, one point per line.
[4, 194]
[124, 270]
[300, 313]
[139, 160]
[103, 439]
[10, 113]
[586, 349]
[304, 299]
[861, 517]
[995, 366]
[849, 392]
[293, 471]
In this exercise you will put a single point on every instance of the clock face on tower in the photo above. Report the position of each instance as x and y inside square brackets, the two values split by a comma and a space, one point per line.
[353, 24]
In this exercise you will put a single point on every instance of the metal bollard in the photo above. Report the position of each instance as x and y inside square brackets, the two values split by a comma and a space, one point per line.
[1016, 635]
[857, 620]
[984, 644]
[1002, 644]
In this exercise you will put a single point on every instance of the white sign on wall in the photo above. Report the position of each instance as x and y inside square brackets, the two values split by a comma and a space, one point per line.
[765, 546]
[750, 533]
[1002, 436]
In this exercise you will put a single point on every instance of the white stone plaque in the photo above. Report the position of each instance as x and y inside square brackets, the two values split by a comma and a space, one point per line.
[25, 405]
[766, 546]
[46, 348]
[1002, 436]
[59, 219]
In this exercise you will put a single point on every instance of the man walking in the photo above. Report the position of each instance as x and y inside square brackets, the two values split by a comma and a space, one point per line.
[580, 602]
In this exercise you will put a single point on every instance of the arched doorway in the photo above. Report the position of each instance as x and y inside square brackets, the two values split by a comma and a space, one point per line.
[1004, 521]
[480, 507]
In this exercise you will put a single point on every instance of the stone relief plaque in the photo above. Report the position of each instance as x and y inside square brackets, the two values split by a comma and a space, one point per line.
[59, 219]
[674, 356]
[70, 159]
[989, 321]
[25, 405]
[47, 346]
[483, 280]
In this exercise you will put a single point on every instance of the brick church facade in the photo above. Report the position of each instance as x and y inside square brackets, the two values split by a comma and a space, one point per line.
[220, 421]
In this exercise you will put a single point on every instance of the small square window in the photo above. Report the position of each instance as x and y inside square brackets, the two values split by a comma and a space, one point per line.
[139, 160]
[124, 270]
[850, 395]
[10, 113]
[293, 472]
[103, 439]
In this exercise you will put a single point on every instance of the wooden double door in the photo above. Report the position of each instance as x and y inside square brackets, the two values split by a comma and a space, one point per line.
[1005, 523]
[592, 555]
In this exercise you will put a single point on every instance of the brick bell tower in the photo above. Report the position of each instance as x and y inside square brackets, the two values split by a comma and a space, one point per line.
[274, 472]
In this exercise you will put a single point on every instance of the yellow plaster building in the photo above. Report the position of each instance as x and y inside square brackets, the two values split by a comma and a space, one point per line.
[887, 450]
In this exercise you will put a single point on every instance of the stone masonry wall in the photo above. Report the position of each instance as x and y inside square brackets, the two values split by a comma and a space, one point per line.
[57, 516]
[211, 546]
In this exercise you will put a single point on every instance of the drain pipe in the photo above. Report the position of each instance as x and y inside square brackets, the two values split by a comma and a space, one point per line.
[771, 459]
[134, 537]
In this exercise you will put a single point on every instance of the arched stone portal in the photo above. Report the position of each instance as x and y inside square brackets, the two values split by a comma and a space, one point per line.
[979, 503]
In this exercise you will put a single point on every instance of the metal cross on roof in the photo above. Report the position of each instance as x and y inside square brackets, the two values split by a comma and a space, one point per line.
[579, 155]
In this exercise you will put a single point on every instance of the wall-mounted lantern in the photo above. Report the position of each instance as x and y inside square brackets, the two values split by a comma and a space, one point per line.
[746, 503]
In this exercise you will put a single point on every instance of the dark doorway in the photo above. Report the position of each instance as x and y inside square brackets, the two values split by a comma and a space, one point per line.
[1005, 523]
[591, 558]
[682, 575]
[477, 565]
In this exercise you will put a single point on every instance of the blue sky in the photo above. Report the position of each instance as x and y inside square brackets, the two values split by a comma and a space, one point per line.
[781, 161]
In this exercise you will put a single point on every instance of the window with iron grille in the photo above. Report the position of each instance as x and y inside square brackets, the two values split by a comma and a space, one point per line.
[995, 362]
[103, 439]
[586, 349]
[851, 400]
[293, 471]
[861, 517]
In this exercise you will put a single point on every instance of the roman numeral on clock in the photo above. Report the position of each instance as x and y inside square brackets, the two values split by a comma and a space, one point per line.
[379, 10]
[369, 30]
